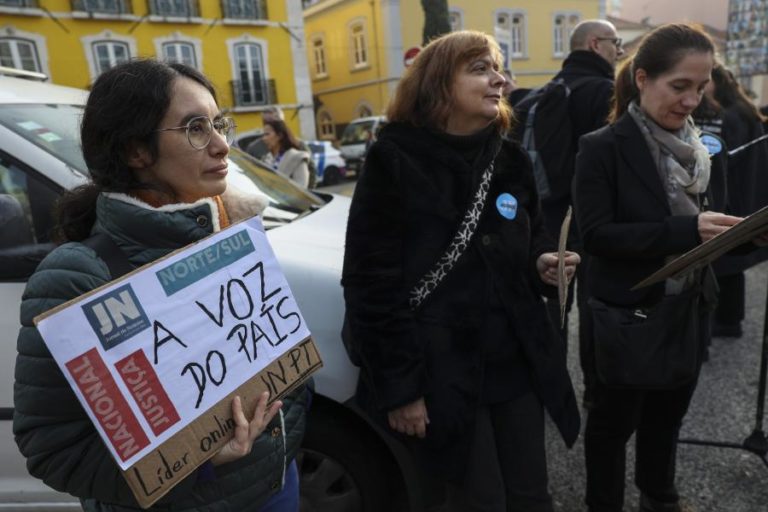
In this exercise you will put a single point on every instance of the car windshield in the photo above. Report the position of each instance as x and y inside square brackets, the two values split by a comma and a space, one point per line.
[358, 132]
[56, 129]
[53, 128]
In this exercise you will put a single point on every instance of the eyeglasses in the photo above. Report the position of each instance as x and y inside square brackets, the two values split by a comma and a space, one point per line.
[200, 129]
[615, 40]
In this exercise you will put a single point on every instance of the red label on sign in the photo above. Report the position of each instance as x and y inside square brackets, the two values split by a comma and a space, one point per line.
[108, 404]
[141, 380]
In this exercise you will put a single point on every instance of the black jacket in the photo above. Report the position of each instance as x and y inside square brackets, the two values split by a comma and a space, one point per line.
[747, 181]
[589, 106]
[407, 206]
[624, 216]
[591, 102]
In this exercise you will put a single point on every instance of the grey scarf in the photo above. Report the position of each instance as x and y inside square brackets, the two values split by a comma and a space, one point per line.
[681, 160]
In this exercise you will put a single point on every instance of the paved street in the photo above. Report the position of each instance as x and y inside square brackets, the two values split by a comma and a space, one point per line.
[723, 409]
[711, 479]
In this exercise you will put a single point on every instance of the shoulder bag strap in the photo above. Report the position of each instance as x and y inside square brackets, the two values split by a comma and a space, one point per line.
[458, 245]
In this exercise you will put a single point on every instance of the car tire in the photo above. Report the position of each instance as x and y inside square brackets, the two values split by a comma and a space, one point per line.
[343, 467]
[331, 176]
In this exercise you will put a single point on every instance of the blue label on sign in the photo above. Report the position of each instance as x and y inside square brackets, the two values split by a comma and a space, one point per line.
[712, 143]
[205, 262]
[507, 206]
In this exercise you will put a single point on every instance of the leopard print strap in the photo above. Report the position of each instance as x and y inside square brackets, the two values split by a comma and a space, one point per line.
[458, 245]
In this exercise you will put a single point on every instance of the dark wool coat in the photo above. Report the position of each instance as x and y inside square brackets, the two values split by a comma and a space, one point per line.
[406, 209]
[54, 433]
[624, 216]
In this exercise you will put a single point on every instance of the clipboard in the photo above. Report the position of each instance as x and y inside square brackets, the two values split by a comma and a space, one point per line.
[704, 254]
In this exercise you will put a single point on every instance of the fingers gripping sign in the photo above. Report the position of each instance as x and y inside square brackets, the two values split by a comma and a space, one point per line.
[246, 431]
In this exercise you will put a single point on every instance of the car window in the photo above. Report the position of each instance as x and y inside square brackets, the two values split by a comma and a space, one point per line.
[26, 220]
[287, 200]
[357, 132]
[53, 128]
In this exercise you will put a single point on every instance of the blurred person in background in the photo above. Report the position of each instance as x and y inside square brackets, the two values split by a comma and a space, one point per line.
[747, 190]
[284, 155]
[259, 150]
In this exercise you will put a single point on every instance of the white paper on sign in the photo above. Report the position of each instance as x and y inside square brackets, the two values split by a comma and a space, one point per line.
[151, 352]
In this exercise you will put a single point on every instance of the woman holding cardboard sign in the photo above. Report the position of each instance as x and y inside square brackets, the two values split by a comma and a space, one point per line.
[156, 144]
[642, 189]
[446, 258]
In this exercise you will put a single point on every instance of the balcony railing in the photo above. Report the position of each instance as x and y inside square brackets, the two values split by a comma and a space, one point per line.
[19, 3]
[247, 93]
[244, 9]
[175, 8]
[103, 6]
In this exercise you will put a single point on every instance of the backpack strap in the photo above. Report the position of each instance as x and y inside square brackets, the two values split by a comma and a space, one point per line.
[113, 256]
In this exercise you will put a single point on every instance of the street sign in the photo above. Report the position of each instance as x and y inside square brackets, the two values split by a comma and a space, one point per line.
[410, 54]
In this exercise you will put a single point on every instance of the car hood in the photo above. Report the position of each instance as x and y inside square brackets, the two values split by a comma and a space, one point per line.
[310, 251]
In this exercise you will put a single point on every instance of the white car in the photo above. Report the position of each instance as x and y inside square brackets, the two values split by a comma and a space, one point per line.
[357, 137]
[330, 165]
[346, 464]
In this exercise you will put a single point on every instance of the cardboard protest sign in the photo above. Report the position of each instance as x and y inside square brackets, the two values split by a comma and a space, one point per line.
[562, 276]
[156, 357]
[704, 254]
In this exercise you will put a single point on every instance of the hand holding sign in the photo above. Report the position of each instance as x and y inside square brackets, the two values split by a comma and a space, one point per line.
[246, 431]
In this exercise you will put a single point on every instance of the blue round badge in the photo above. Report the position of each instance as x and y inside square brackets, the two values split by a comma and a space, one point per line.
[713, 144]
[507, 205]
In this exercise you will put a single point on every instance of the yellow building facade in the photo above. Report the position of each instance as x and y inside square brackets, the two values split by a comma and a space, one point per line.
[252, 50]
[356, 48]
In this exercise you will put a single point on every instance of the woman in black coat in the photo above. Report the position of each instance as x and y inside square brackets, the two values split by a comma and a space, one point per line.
[457, 354]
[641, 195]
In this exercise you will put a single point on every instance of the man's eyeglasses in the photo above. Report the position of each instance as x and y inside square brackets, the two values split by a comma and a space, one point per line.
[615, 40]
[200, 130]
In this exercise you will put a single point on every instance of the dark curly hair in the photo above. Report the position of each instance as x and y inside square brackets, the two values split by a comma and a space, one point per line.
[124, 108]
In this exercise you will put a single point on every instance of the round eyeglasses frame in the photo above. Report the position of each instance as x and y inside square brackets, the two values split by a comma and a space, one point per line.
[224, 126]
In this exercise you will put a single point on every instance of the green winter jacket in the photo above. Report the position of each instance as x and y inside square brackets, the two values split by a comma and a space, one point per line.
[53, 432]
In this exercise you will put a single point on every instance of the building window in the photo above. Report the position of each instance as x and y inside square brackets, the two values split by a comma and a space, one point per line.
[318, 53]
[456, 19]
[358, 45]
[19, 54]
[511, 34]
[364, 111]
[103, 6]
[517, 32]
[251, 86]
[177, 8]
[183, 53]
[19, 3]
[244, 9]
[108, 54]
[325, 126]
[563, 25]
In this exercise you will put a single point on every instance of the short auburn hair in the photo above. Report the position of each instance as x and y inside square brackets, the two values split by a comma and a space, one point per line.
[423, 96]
